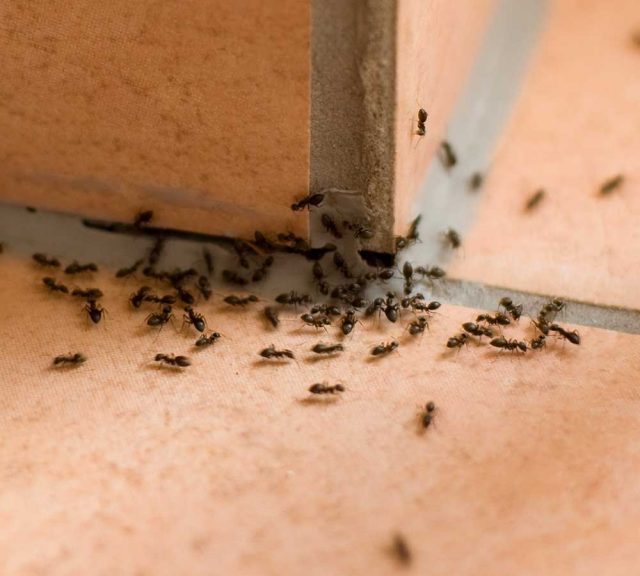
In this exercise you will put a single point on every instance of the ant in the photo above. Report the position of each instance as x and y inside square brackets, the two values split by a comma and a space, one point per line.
[261, 272]
[611, 185]
[234, 300]
[324, 388]
[160, 318]
[430, 272]
[316, 321]
[171, 360]
[55, 286]
[514, 310]
[194, 318]
[208, 261]
[572, 337]
[447, 155]
[427, 416]
[401, 550]
[142, 219]
[263, 242]
[272, 316]
[321, 348]
[458, 341]
[297, 244]
[376, 306]
[307, 202]
[139, 296]
[550, 310]
[88, 294]
[407, 272]
[156, 251]
[94, 310]
[166, 299]
[69, 359]
[207, 340]
[422, 118]
[512, 345]
[330, 225]
[417, 326]
[46, 261]
[177, 277]
[359, 230]
[452, 238]
[293, 298]
[204, 286]
[391, 307]
[412, 236]
[325, 309]
[476, 180]
[243, 249]
[535, 200]
[538, 343]
[271, 352]
[75, 268]
[185, 295]
[341, 264]
[475, 330]
[234, 278]
[128, 271]
[384, 348]
[499, 319]
[348, 322]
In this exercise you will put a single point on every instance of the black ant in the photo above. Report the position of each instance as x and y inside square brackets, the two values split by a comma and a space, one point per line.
[422, 118]
[430, 272]
[55, 286]
[407, 272]
[550, 310]
[330, 225]
[417, 326]
[208, 261]
[296, 244]
[385, 274]
[572, 337]
[194, 318]
[263, 242]
[293, 298]
[234, 300]
[171, 360]
[75, 267]
[94, 310]
[512, 345]
[70, 359]
[307, 202]
[320, 278]
[514, 310]
[384, 348]
[207, 340]
[243, 249]
[401, 550]
[324, 388]
[326, 309]
[46, 261]
[538, 343]
[185, 295]
[535, 200]
[427, 416]
[458, 341]
[156, 251]
[611, 185]
[315, 321]
[321, 348]
[476, 330]
[234, 278]
[178, 277]
[88, 294]
[272, 316]
[376, 306]
[261, 272]
[160, 318]
[391, 307]
[412, 236]
[143, 218]
[447, 155]
[137, 298]
[499, 319]
[359, 230]
[476, 180]
[271, 352]
[204, 286]
[348, 322]
[452, 238]
[341, 264]
[128, 271]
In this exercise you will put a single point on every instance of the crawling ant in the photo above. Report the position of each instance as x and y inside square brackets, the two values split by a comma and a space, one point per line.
[430, 272]
[315, 321]
[156, 251]
[321, 348]
[427, 416]
[166, 299]
[234, 278]
[69, 359]
[271, 352]
[128, 271]
[194, 318]
[142, 219]
[341, 264]
[506, 344]
[385, 274]
[611, 185]
[515, 310]
[171, 360]
[261, 241]
[55, 286]
[178, 277]
[88, 294]
[330, 225]
[46, 261]
[261, 272]
[535, 200]
[550, 310]
[185, 295]
[401, 550]
[422, 118]
[326, 309]
[208, 261]
[204, 286]
[538, 343]
[376, 306]
[499, 319]
[243, 249]
[307, 202]
[410, 302]
[75, 268]
[151, 272]
[359, 230]
[391, 307]
[412, 236]
[94, 310]
[234, 300]
[447, 155]
[160, 318]
[384, 348]
[407, 272]
[272, 316]
[476, 180]
[348, 322]
[476, 330]
[458, 341]
[417, 326]
[293, 298]
[137, 298]
[572, 337]
[297, 244]
[324, 388]
[320, 278]
[204, 340]
[452, 238]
